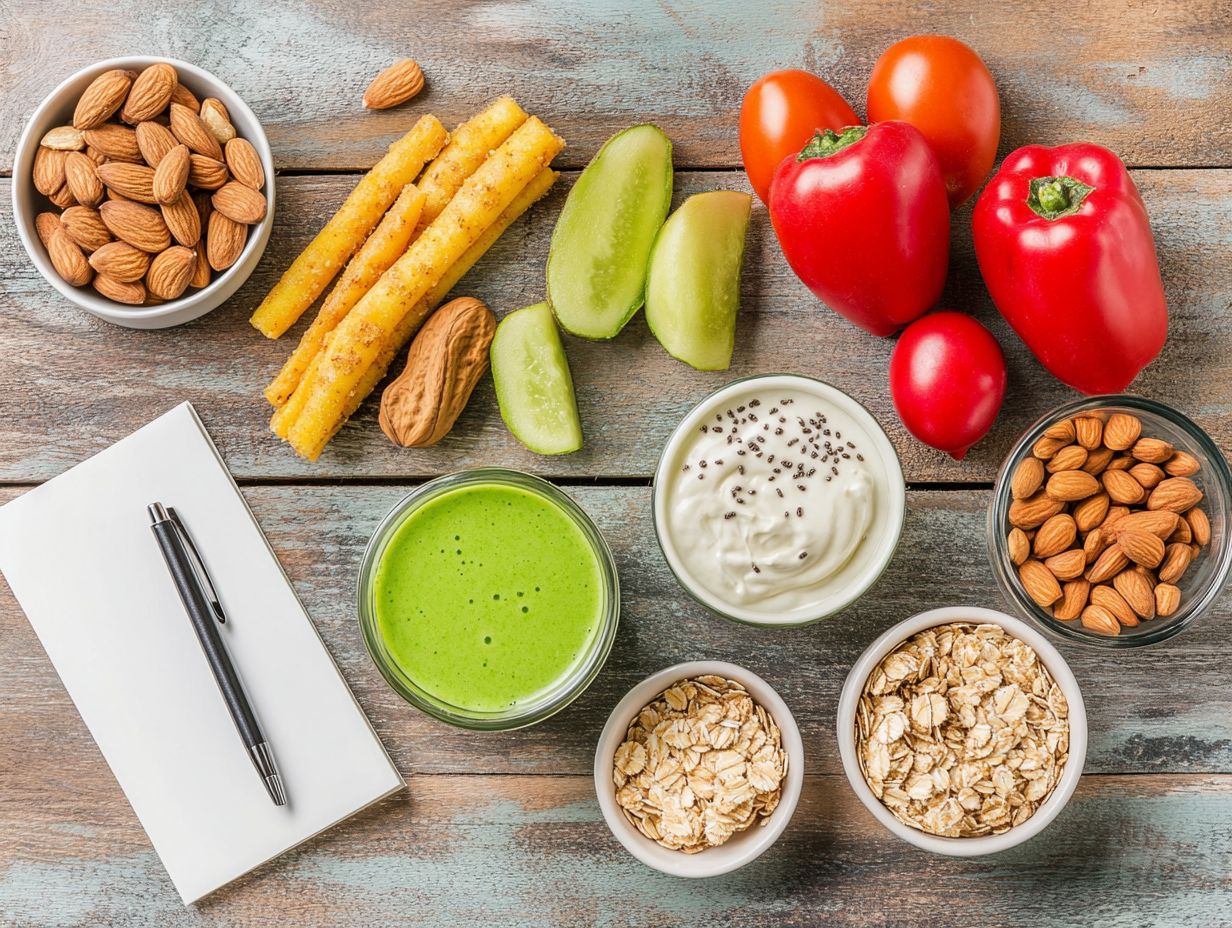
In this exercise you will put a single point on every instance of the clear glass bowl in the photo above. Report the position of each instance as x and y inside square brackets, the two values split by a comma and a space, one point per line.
[1202, 582]
[565, 690]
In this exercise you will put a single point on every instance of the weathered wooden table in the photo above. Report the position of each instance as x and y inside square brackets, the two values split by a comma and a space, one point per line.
[503, 829]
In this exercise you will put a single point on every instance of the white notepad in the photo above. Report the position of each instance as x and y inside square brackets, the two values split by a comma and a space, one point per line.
[81, 559]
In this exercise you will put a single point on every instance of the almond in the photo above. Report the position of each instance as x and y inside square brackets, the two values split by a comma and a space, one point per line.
[245, 163]
[95, 155]
[138, 225]
[67, 258]
[85, 227]
[1074, 596]
[1099, 620]
[45, 224]
[1032, 513]
[1108, 565]
[1176, 562]
[182, 220]
[155, 142]
[1093, 545]
[102, 98]
[224, 241]
[1071, 457]
[1141, 547]
[1152, 450]
[63, 197]
[1182, 464]
[135, 181]
[1068, 565]
[83, 182]
[189, 129]
[1114, 516]
[1199, 526]
[1183, 533]
[1091, 512]
[216, 119]
[171, 175]
[1089, 432]
[1055, 535]
[239, 203]
[63, 138]
[1121, 431]
[1063, 430]
[170, 272]
[131, 293]
[184, 97]
[49, 170]
[201, 200]
[1122, 487]
[1147, 475]
[1176, 494]
[1161, 524]
[1028, 478]
[119, 143]
[1098, 460]
[1039, 583]
[1121, 462]
[1018, 546]
[150, 94]
[1046, 447]
[395, 85]
[1135, 589]
[120, 261]
[1108, 598]
[201, 269]
[1072, 485]
[1167, 599]
[206, 173]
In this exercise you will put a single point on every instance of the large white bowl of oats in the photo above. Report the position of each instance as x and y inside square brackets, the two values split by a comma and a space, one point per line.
[699, 769]
[962, 730]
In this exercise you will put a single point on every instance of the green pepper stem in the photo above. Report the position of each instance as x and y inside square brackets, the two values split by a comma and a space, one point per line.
[1055, 197]
[824, 144]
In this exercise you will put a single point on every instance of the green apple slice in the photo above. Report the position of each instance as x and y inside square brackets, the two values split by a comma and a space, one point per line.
[533, 386]
[601, 244]
[693, 286]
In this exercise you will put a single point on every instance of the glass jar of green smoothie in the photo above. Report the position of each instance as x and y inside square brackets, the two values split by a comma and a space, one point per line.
[488, 599]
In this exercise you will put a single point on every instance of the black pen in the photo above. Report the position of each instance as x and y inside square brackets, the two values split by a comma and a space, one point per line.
[192, 582]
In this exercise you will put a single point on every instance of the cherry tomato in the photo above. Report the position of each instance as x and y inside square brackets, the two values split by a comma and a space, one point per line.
[947, 379]
[780, 113]
[943, 88]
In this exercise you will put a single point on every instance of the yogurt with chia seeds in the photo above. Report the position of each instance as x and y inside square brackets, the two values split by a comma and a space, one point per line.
[778, 500]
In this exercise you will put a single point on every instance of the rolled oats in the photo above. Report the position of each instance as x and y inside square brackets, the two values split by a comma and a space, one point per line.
[962, 731]
[699, 763]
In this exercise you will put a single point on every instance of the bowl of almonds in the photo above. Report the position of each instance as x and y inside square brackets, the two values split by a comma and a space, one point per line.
[143, 191]
[1109, 522]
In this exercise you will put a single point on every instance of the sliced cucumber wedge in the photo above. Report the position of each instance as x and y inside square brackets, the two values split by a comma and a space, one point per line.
[602, 241]
[533, 384]
[693, 286]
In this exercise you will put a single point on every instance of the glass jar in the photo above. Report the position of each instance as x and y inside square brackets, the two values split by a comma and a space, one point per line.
[1199, 585]
[544, 704]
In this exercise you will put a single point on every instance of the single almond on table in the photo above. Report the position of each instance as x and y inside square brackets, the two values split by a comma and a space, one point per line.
[395, 85]
[1040, 583]
[119, 143]
[1136, 590]
[150, 94]
[67, 258]
[1028, 478]
[245, 163]
[102, 98]
[239, 203]
[134, 181]
[189, 129]
[1018, 545]
[1167, 599]
[155, 142]
[1099, 620]
[1152, 450]
[49, 170]
[1072, 485]
[171, 175]
[82, 179]
[1141, 547]
[1091, 512]
[1055, 535]
[1108, 565]
[130, 293]
[140, 226]
[1114, 602]
[1074, 595]
[64, 138]
[182, 220]
[1199, 525]
[1089, 432]
[1071, 457]
[1122, 487]
[1176, 562]
[121, 261]
[45, 224]
[1182, 464]
[1176, 494]
[224, 241]
[1034, 512]
[1121, 431]
[85, 227]
[170, 272]
[216, 118]
[206, 173]
[1068, 565]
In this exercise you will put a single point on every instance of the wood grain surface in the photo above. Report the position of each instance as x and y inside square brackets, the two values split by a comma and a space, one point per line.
[503, 829]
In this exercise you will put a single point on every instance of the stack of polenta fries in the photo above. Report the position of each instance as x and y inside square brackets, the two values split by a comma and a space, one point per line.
[412, 240]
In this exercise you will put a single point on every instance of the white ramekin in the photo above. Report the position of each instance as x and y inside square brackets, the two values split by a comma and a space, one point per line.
[742, 847]
[57, 110]
[963, 847]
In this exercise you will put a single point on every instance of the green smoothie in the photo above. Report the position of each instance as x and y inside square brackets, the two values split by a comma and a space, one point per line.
[487, 595]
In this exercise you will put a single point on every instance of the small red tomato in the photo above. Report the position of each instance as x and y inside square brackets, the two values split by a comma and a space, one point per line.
[947, 379]
[944, 89]
[780, 113]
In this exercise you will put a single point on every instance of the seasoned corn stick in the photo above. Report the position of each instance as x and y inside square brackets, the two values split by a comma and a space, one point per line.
[346, 230]
[359, 337]
[384, 246]
[469, 145]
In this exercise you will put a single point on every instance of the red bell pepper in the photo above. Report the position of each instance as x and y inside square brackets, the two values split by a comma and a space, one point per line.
[1064, 243]
[864, 221]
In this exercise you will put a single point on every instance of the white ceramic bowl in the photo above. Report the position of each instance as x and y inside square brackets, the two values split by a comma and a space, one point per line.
[742, 847]
[964, 847]
[57, 110]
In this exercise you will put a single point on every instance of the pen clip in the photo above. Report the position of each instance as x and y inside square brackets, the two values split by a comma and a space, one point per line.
[194, 555]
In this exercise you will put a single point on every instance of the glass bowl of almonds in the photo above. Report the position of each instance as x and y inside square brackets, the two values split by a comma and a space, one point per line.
[1109, 522]
[699, 768]
[143, 191]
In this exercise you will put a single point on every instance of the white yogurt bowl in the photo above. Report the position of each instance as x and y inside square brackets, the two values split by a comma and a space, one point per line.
[743, 846]
[739, 539]
[853, 687]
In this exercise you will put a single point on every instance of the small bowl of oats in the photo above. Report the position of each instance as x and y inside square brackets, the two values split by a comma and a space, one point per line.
[962, 730]
[699, 769]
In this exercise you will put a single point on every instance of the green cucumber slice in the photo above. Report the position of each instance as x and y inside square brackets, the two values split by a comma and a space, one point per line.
[601, 245]
[533, 386]
[693, 286]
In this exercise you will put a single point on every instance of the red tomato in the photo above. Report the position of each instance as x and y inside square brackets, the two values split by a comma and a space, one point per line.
[780, 113]
[943, 88]
[947, 379]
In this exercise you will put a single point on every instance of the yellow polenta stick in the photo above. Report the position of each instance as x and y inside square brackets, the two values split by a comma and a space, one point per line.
[320, 262]
[384, 246]
[469, 145]
[358, 339]
[285, 415]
